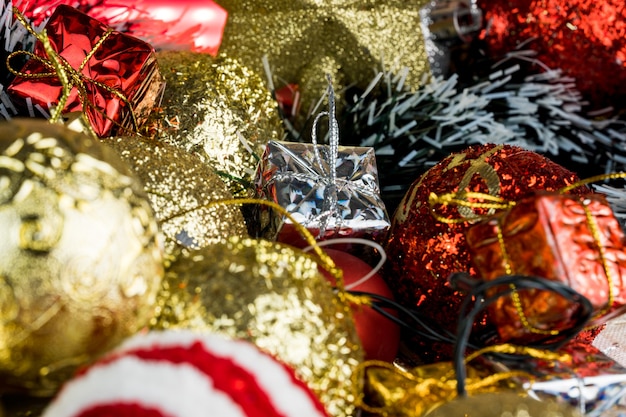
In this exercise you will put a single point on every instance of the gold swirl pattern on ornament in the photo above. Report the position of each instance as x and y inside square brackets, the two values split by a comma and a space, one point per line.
[274, 296]
[478, 165]
[81, 258]
[461, 199]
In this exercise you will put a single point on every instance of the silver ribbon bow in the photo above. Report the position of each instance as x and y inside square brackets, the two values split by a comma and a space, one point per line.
[329, 206]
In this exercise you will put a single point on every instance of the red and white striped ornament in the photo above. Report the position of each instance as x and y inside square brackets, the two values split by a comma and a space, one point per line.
[185, 374]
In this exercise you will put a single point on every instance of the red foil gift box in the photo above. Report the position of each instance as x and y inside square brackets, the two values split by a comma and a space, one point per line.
[115, 77]
[569, 238]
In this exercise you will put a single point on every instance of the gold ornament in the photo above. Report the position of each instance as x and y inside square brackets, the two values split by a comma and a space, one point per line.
[502, 404]
[305, 39]
[274, 296]
[217, 109]
[80, 254]
[180, 188]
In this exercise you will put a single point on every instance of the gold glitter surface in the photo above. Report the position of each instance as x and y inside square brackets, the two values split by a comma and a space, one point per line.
[80, 254]
[217, 109]
[180, 187]
[304, 39]
[273, 296]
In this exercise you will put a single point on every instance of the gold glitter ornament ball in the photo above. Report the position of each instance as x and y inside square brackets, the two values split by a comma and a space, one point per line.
[219, 110]
[80, 255]
[305, 39]
[180, 188]
[502, 404]
[272, 295]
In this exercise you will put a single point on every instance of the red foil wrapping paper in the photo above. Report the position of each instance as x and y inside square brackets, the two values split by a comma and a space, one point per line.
[125, 65]
[551, 235]
[196, 25]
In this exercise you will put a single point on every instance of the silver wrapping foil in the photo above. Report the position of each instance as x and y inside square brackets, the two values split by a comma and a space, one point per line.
[446, 24]
[594, 396]
[290, 175]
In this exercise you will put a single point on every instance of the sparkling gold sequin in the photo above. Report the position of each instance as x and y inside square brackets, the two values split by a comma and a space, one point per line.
[274, 296]
[180, 187]
[80, 254]
[217, 109]
[304, 39]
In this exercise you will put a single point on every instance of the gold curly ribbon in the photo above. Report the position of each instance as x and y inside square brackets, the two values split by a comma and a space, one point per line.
[487, 201]
[596, 178]
[67, 75]
[462, 199]
[415, 391]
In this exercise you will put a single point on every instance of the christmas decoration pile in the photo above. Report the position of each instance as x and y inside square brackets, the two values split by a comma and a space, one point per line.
[183, 235]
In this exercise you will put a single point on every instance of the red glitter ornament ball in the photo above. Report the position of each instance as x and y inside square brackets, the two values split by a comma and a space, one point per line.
[584, 38]
[423, 252]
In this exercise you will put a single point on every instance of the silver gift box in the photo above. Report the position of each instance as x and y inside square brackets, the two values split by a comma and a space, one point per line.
[290, 175]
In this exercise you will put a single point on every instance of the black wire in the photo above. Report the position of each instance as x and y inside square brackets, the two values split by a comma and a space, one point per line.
[476, 301]
[410, 321]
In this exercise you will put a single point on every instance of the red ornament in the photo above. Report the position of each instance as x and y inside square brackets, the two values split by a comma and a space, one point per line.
[379, 336]
[584, 38]
[424, 251]
[288, 98]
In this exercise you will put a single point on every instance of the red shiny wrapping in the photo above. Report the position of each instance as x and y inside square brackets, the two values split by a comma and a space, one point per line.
[109, 12]
[196, 25]
[549, 236]
[423, 251]
[122, 63]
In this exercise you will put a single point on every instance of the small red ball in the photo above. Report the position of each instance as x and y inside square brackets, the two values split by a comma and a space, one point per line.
[424, 251]
[379, 336]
